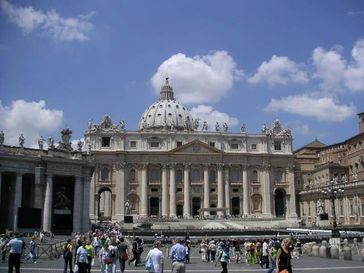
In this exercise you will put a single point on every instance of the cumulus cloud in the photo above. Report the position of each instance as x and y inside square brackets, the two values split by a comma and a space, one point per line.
[209, 114]
[198, 79]
[49, 23]
[279, 70]
[300, 128]
[322, 108]
[32, 119]
[337, 73]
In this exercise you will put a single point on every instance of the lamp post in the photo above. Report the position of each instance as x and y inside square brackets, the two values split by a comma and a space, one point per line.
[333, 191]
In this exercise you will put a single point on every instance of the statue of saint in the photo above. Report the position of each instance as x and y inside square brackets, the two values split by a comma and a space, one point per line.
[90, 125]
[127, 207]
[217, 127]
[225, 126]
[242, 128]
[79, 145]
[2, 137]
[50, 143]
[205, 126]
[196, 123]
[21, 140]
[40, 143]
[122, 124]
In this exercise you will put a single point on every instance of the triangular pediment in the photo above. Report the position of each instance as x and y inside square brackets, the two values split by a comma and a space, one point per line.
[196, 147]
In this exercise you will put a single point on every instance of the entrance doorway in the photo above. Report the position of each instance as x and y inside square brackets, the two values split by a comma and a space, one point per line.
[104, 204]
[154, 206]
[279, 202]
[196, 205]
[213, 212]
[179, 210]
[235, 206]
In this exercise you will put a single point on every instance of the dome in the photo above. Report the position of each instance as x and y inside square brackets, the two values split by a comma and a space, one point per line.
[166, 113]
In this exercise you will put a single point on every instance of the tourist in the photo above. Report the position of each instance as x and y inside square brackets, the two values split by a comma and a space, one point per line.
[265, 254]
[156, 256]
[178, 256]
[105, 259]
[123, 255]
[16, 246]
[90, 254]
[223, 256]
[212, 247]
[273, 250]
[81, 258]
[137, 251]
[3, 243]
[203, 251]
[187, 253]
[32, 250]
[67, 256]
[114, 254]
[283, 261]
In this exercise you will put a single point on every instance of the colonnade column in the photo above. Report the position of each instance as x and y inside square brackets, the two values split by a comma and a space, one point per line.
[144, 193]
[48, 203]
[172, 191]
[292, 192]
[77, 205]
[227, 190]
[119, 191]
[187, 201]
[17, 198]
[267, 198]
[245, 192]
[85, 214]
[164, 191]
[206, 190]
[93, 216]
[220, 191]
[38, 183]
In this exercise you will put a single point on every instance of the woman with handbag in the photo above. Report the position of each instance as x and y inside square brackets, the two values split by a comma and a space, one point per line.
[283, 262]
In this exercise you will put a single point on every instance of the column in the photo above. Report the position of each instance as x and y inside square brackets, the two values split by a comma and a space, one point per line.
[292, 192]
[267, 198]
[227, 190]
[92, 201]
[39, 181]
[17, 198]
[86, 204]
[164, 191]
[220, 191]
[206, 190]
[144, 192]
[119, 181]
[172, 191]
[48, 203]
[77, 205]
[187, 201]
[1, 179]
[245, 192]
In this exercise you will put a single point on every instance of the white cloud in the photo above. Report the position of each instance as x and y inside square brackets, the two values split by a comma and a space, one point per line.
[32, 119]
[322, 108]
[49, 23]
[299, 128]
[354, 13]
[336, 73]
[198, 79]
[279, 70]
[209, 114]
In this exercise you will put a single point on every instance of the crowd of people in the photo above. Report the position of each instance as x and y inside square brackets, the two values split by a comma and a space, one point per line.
[107, 245]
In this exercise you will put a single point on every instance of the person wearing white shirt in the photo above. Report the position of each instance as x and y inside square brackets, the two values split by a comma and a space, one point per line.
[157, 257]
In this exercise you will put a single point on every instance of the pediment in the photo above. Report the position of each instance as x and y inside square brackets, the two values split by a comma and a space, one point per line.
[196, 147]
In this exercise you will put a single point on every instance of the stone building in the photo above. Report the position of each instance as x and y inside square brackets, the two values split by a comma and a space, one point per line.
[44, 189]
[174, 166]
[342, 163]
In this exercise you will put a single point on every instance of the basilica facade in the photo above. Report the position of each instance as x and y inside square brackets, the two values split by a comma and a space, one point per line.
[175, 166]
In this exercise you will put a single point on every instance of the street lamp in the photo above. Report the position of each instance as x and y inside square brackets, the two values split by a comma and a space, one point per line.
[333, 191]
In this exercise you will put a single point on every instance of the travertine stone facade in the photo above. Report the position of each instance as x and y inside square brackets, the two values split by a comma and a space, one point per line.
[173, 167]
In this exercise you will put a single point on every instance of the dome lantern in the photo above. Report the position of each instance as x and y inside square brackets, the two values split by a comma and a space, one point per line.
[166, 91]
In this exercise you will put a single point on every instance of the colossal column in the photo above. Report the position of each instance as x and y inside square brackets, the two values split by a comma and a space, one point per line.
[292, 192]
[48, 203]
[77, 205]
[38, 184]
[186, 181]
[245, 192]
[206, 190]
[164, 191]
[227, 190]
[86, 204]
[267, 198]
[119, 191]
[220, 191]
[172, 191]
[144, 192]
[17, 198]
[92, 200]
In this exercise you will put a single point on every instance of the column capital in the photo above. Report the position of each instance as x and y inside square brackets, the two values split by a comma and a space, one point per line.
[187, 165]
[290, 167]
[120, 166]
[227, 166]
[266, 167]
[245, 167]
[143, 165]
[164, 165]
[206, 165]
[172, 165]
[219, 166]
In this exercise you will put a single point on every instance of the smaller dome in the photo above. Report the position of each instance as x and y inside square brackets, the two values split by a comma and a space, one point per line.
[166, 113]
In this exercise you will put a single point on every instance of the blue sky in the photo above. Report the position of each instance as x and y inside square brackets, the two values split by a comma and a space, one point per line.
[65, 62]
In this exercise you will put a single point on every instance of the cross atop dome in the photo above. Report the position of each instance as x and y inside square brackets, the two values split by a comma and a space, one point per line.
[166, 91]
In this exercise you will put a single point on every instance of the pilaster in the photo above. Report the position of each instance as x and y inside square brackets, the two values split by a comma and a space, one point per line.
[77, 205]
[17, 198]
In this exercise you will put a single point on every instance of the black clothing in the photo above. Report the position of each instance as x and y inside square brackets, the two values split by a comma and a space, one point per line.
[14, 260]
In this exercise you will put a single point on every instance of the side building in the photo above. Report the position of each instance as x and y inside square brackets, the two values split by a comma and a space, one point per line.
[342, 163]
[175, 167]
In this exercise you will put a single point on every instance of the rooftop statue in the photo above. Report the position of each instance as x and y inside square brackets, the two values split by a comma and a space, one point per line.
[217, 127]
[205, 126]
[242, 128]
[196, 123]
[40, 143]
[79, 145]
[225, 126]
[50, 143]
[122, 125]
[2, 137]
[65, 143]
[21, 140]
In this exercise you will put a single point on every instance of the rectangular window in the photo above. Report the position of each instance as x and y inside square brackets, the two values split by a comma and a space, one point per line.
[154, 144]
[212, 190]
[234, 146]
[235, 176]
[132, 144]
[179, 143]
[179, 189]
[235, 189]
[254, 146]
[154, 190]
[105, 142]
[212, 144]
[277, 146]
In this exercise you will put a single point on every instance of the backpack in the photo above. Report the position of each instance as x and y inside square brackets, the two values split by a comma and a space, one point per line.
[112, 253]
[66, 250]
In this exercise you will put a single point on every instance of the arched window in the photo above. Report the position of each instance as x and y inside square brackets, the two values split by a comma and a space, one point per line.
[105, 174]
[254, 177]
[132, 175]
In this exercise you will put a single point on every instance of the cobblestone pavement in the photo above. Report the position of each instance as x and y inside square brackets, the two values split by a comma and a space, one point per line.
[304, 264]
